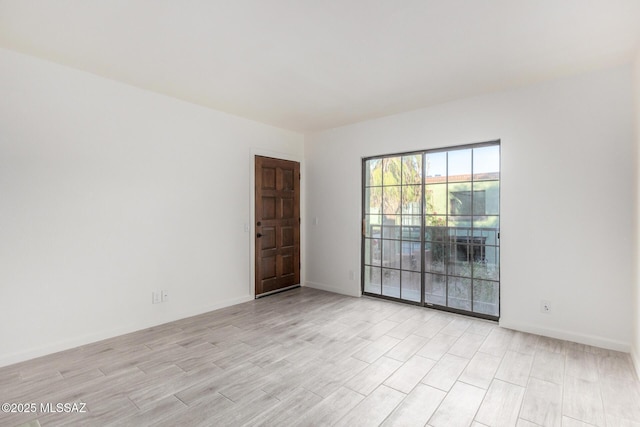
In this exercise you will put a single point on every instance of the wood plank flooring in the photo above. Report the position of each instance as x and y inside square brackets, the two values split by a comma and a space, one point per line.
[312, 358]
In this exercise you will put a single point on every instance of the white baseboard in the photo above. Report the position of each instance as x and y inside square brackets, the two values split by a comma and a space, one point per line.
[592, 340]
[33, 353]
[334, 289]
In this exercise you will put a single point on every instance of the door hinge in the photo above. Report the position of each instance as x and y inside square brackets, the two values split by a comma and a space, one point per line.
[498, 234]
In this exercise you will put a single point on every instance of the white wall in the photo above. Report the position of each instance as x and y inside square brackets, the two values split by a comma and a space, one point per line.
[108, 192]
[567, 198]
[635, 353]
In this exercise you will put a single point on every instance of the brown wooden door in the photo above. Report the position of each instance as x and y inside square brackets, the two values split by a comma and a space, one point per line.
[277, 224]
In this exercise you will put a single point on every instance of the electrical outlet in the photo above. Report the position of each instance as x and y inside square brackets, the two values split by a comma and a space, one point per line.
[165, 295]
[545, 307]
[156, 297]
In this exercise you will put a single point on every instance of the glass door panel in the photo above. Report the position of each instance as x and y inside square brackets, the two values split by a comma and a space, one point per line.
[411, 286]
[391, 283]
[372, 280]
[431, 228]
[435, 289]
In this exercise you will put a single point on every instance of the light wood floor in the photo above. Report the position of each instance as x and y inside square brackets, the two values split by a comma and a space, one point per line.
[307, 357]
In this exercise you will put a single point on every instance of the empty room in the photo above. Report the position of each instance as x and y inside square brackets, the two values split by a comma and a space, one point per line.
[306, 213]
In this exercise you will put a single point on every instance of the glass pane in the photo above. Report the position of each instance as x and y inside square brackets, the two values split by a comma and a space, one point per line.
[411, 256]
[459, 165]
[372, 225]
[467, 246]
[435, 199]
[487, 236]
[435, 286]
[436, 234]
[391, 283]
[435, 221]
[435, 167]
[410, 286]
[478, 251]
[412, 169]
[391, 229]
[391, 169]
[391, 200]
[413, 220]
[391, 253]
[479, 202]
[412, 199]
[485, 297]
[488, 222]
[460, 199]
[459, 293]
[372, 251]
[435, 256]
[486, 163]
[459, 234]
[372, 280]
[460, 260]
[489, 267]
[411, 233]
[488, 195]
[373, 172]
[373, 200]
[460, 222]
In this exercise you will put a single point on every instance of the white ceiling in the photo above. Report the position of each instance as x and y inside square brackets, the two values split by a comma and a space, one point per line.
[308, 65]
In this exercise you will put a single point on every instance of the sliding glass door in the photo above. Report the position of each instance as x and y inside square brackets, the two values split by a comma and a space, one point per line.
[431, 228]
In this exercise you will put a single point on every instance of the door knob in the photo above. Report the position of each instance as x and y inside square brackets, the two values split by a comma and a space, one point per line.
[259, 224]
[259, 235]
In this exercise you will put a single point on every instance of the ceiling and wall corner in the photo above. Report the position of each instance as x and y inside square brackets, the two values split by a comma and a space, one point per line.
[309, 66]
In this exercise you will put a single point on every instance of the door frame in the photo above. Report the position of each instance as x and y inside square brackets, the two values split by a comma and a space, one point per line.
[252, 212]
[422, 303]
